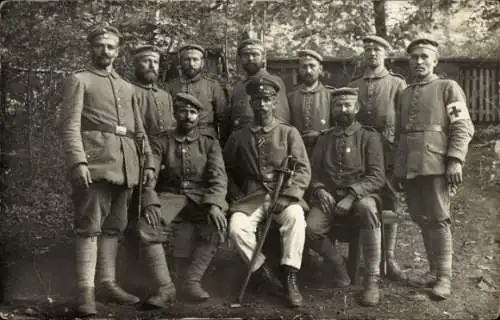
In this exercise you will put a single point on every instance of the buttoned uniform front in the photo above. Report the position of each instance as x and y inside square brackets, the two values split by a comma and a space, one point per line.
[156, 107]
[99, 119]
[378, 93]
[433, 126]
[210, 93]
[310, 111]
[252, 155]
[343, 161]
[240, 113]
[191, 165]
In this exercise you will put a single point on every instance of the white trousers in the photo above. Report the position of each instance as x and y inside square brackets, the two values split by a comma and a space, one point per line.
[243, 227]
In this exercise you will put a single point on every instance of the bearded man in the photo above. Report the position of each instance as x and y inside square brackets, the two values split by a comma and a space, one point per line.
[310, 102]
[251, 55]
[347, 176]
[208, 91]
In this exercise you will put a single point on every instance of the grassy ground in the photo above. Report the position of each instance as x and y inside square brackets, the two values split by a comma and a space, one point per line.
[40, 285]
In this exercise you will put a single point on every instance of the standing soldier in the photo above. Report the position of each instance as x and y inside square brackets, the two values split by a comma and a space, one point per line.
[310, 102]
[252, 155]
[433, 133]
[155, 103]
[99, 124]
[347, 176]
[194, 170]
[240, 114]
[379, 90]
[208, 91]
[156, 108]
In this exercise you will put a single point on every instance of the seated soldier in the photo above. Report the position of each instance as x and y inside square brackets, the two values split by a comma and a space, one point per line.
[252, 155]
[192, 166]
[347, 173]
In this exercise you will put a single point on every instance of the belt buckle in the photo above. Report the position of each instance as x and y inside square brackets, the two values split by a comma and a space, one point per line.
[120, 130]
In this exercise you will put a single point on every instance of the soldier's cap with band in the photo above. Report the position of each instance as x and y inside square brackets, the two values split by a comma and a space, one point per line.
[146, 50]
[183, 99]
[102, 29]
[345, 93]
[377, 40]
[191, 46]
[262, 86]
[310, 53]
[250, 44]
[422, 43]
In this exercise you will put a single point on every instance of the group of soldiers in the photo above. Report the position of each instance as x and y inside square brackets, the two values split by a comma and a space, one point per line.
[210, 164]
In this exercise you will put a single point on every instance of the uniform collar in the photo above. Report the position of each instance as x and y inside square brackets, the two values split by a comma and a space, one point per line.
[190, 137]
[427, 80]
[104, 73]
[349, 131]
[319, 86]
[373, 74]
[265, 129]
[150, 86]
[196, 78]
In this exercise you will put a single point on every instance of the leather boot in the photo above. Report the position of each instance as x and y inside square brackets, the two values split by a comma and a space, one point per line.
[86, 259]
[441, 289]
[109, 290]
[157, 262]
[393, 271]
[293, 295]
[266, 276]
[86, 302]
[371, 293]
[191, 288]
[163, 296]
[328, 251]
[429, 279]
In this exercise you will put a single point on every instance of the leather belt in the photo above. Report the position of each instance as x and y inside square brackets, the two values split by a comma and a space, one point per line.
[422, 128]
[117, 130]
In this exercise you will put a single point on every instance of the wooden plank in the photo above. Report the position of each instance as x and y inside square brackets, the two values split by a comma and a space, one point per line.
[482, 93]
[487, 94]
[496, 93]
[474, 95]
[468, 95]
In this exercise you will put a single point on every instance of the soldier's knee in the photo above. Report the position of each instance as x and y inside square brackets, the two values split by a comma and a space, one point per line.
[293, 215]
[317, 226]
[237, 224]
[366, 212]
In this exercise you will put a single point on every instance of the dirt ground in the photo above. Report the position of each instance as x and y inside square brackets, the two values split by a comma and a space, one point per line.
[41, 286]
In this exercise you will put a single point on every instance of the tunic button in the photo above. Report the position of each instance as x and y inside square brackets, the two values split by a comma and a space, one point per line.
[184, 150]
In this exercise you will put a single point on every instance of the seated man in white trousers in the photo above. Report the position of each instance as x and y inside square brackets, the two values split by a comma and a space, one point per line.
[252, 155]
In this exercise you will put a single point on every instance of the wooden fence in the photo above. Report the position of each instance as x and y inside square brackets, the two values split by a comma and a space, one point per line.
[480, 79]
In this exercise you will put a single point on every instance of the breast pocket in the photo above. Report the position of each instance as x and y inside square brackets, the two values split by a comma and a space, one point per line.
[352, 158]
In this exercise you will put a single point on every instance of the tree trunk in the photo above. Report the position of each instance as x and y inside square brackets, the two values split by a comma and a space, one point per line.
[380, 15]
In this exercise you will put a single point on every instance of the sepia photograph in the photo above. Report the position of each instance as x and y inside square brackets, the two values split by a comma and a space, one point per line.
[249, 159]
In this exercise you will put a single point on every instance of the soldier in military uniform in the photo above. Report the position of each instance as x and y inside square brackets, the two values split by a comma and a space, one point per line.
[347, 176]
[208, 91]
[193, 168]
[252, 154]
[156, 108]
[379, 90]
[310, 102]
[433, 133]
[155, 103]
[240, 114]
[99, 124]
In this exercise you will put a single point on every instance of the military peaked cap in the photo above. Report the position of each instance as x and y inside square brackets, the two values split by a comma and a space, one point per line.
[251, 43]
[145, 50]
[377, 40]
[101, 29]
[422, 43]
[344, 92]
[310, 53]
[191, 47]
[262, 86]
[185, 99]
